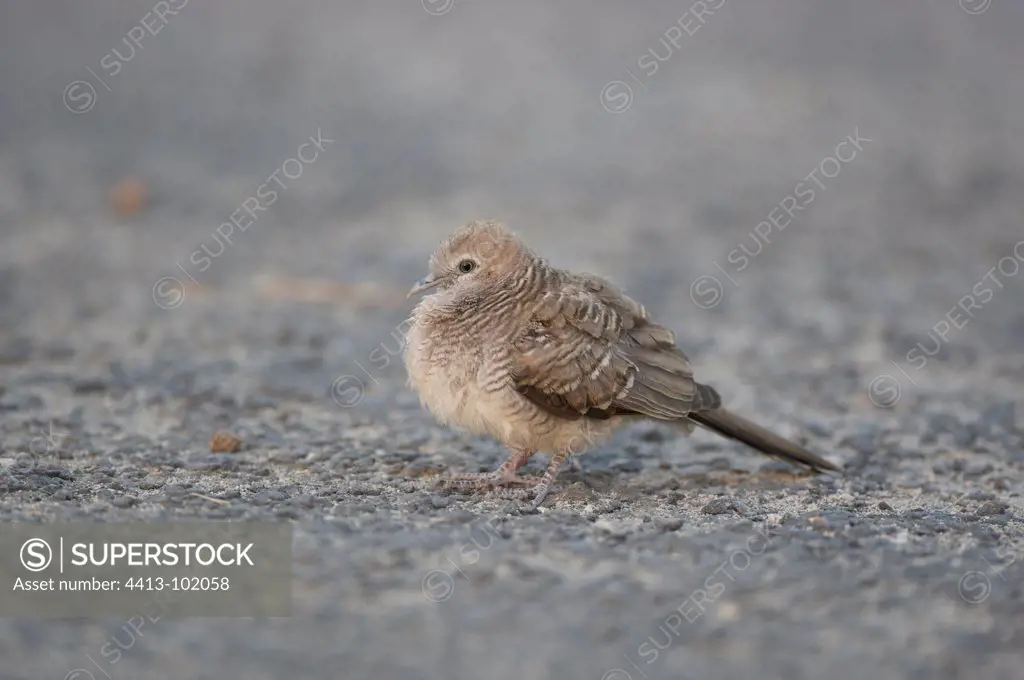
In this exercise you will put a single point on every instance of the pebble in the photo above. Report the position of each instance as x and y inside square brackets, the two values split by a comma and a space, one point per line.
[15, 351]
[944, 422]
[57, 351]
[304, 501]
[618, 528]
[667, 524]
[977, 469]
[89, 386]
[863, 442]
[652, 434]
[20, 402]
[999, 416]
[817, 428]
[993, 508]
[719, 506]
[627, 465]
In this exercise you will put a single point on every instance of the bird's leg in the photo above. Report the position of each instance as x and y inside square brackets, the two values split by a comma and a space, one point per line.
[503, 476]
[543, 487]
[506, 474]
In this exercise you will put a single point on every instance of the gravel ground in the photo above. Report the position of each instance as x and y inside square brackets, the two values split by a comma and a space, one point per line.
[846, 326]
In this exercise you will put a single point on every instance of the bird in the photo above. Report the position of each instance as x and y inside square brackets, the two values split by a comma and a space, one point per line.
[546, 360]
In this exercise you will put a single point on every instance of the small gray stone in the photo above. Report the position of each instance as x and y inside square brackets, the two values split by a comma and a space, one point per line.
[719, 506]
[999, 416]
[174, 490]
[863, 442]
[652, 434]
[57, 351]
[15, 351]
[364, 490]
[304, 501]
[884, 506]
[965, 436]
[627, 465]
[258, 401]
[817, 428]
[20, 402]
[287, 512]
[944, 422]
[89, 386]
[438, 502]
[668, 523]
[774, 466]
[993, 508]
[290, 456]
[978, 469]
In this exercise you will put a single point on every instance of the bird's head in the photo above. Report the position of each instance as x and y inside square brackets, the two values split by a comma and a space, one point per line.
[476, 256]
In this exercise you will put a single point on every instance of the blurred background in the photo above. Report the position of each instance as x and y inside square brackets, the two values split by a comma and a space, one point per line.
[152, 290]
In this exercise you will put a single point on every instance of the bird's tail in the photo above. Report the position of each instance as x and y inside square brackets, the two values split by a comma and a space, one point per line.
[736, 427]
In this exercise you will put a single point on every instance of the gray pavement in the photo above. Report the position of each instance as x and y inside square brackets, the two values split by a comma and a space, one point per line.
[880, 318]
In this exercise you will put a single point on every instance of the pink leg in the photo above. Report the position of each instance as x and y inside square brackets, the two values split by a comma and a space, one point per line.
[543, 487]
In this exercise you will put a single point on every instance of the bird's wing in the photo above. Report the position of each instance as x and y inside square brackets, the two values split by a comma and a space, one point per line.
[589, 350]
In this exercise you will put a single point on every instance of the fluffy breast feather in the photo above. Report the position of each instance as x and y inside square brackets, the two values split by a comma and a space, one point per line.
[444, 374]
[456, 377]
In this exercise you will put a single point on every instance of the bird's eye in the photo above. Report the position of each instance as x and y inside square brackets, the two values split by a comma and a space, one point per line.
[466, 266]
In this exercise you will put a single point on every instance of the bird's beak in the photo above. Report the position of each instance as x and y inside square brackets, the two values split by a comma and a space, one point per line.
[423, 284]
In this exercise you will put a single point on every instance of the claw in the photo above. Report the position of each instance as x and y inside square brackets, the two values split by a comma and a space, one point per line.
[502, 477]
[542, 493]
[505, 483]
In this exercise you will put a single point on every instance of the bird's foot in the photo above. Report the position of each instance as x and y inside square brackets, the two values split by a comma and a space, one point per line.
[506, 483]
[535, 489]
[541, 492]
[528, 493]
[504, 476]
[512, 493]
[481, 481]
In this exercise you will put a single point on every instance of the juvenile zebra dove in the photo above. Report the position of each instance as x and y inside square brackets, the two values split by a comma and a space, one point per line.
[546, 360]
